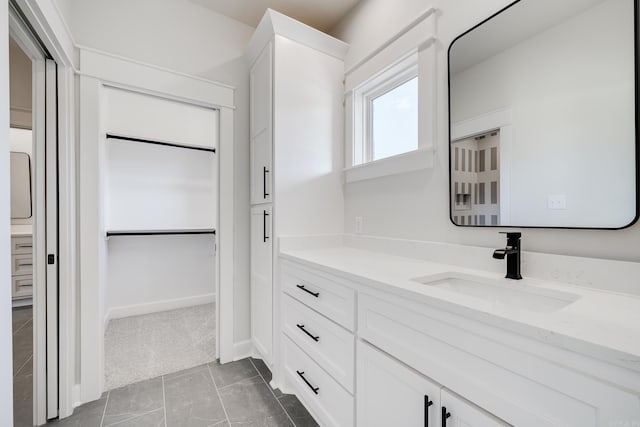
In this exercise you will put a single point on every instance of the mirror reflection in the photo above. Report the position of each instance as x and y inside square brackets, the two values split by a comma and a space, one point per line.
[542, 117]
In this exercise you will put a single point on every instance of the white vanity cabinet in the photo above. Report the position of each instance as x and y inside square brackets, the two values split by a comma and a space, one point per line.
[21, 269]
[261, 125]
[261, 273]
[411, 351]
[391, 394]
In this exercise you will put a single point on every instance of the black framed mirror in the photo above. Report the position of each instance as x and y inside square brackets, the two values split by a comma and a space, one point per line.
[543, 117]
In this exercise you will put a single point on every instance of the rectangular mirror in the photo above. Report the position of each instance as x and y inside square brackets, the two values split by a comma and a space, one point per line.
[542, 117]
[20, 185]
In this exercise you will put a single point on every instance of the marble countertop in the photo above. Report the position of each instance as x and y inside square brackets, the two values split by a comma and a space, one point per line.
[21, 230]
[601, 324]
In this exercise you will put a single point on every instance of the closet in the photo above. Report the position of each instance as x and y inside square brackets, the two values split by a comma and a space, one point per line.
[160, 215]
[296, 150]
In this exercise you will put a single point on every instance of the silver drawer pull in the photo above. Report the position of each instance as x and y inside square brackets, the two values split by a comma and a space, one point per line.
[24, 245]
[25, 264]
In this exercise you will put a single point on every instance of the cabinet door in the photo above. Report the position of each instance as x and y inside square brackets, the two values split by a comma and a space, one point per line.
[390, 394]
[261, 281]
[261, 125]
[461, 413]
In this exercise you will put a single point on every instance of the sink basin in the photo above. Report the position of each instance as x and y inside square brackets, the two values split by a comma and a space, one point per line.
[508, 293]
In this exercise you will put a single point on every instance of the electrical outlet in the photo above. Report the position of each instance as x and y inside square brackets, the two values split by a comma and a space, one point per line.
[358, 225]
[557, 202]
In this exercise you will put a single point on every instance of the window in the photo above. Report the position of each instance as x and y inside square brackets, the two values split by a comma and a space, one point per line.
[394, 121]
[386, 113]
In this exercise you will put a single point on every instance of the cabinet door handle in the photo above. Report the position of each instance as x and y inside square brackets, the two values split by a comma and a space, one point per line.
[314, 389]
[445, 415]
[264, 226]
[427, 403]
[315, 294]
[265, 171]
[301, 327]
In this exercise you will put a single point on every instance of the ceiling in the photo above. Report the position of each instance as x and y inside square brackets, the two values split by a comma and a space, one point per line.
[320, 14]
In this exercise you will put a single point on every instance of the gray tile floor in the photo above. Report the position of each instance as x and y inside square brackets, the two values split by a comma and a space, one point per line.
[22, 367]
[208, 395]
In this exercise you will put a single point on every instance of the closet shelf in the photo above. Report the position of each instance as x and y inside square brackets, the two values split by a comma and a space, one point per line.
[163, 143]
[186, 231]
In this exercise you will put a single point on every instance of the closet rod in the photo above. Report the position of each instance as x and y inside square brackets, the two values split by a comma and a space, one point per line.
[159, 232]
[166, 144]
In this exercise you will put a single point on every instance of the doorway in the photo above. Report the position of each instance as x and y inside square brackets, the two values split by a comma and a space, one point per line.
[34, 225]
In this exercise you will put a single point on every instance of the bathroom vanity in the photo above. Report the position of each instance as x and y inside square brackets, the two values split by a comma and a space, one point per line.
[21, 264]
[370, 338]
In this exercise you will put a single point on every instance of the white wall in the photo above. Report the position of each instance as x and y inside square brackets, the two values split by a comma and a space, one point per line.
[183, 36]
[577, 118]
[20, 84]
[415, 205]
[6, 364]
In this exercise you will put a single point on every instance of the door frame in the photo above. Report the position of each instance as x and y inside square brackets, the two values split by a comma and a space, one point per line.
[47, 26]
[101, 70]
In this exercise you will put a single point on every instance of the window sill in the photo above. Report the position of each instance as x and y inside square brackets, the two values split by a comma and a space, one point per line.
[402, 163]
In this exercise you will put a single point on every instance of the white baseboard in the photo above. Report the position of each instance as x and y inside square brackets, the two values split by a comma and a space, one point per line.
[243, 349]
[157, 306]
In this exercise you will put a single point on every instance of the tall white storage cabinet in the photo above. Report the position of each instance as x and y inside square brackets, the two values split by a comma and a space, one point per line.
[296, 114]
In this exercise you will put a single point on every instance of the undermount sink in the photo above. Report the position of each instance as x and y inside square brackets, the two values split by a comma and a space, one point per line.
[503, 292]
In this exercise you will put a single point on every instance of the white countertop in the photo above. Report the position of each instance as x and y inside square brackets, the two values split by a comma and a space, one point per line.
[21, 230]
[601, 324]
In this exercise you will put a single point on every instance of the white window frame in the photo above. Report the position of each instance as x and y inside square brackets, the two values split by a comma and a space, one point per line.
[391, 79]
[378, 73]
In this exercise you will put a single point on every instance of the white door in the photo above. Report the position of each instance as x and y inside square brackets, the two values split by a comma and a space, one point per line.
[459, 412]
[390, 394]
[261, 95]
[261, 281]
[51, 166]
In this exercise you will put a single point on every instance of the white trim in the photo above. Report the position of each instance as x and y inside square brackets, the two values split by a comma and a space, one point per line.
[225, 237]
[115, 70]
[431, 11]
[420, 35]
[402, 163]
[243, 349]
[99, 52]
[276, 23]
[480, 124]
[157, 306]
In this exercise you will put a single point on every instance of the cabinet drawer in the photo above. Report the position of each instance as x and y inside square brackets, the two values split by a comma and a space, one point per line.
[320, 292]
[331, 346]
[21, 286]
[21, 264]
[331, 403]
[511, 383]
[21, 245]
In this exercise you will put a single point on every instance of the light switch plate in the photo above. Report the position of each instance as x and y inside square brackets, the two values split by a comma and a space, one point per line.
[358, 225]
[557, 201]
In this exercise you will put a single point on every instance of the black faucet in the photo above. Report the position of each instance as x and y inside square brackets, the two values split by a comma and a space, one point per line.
[512, 252]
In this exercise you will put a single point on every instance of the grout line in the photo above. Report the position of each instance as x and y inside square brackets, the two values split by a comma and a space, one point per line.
[23, 365]
[22, 326]
[164, 402]
[244, 379]
[272, 393]
[218, 393]
[104, 411]
[135, 417]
